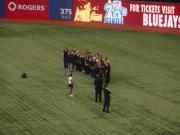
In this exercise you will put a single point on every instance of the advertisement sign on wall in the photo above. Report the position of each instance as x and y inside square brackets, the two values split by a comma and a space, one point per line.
[115, 12]
[150, 14]
[164, 15]
[89, 10]
[61, 9]
[27, 9]
[2, 8]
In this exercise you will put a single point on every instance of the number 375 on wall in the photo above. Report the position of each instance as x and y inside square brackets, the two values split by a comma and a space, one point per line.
[65, 11]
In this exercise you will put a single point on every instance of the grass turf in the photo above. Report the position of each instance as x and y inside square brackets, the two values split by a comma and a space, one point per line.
[145, 82]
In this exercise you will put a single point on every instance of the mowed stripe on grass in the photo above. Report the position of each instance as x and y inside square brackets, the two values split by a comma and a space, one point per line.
[145, 82]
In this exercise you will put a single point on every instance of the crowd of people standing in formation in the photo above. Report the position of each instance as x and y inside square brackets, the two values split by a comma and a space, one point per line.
[91, 64]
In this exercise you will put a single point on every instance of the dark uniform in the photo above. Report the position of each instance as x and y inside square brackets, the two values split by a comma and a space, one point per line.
[87, 62]
[107, 73]
[65, 56]
[106, 99]
[98, 88]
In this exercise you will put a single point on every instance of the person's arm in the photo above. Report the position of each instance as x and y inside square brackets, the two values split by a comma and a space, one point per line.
[107, 91]
[72, 80]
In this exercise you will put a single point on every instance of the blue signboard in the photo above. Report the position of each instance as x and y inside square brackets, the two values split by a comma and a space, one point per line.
[61, 9]
[2, 8]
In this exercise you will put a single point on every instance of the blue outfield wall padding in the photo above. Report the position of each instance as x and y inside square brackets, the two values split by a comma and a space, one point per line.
[61, 9]
[2, 8]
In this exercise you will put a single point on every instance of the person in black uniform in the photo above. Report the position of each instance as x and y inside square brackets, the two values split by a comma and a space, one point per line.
[107, 72]
[65, 55]
[87, 62]
[98, 88]
[106, 99]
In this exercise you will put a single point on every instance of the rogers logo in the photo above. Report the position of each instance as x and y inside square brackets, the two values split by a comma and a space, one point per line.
[31, 7]
[12, 6]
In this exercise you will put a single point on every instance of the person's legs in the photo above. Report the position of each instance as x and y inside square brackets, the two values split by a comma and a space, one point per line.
[96, 96]
[100, 96]
[104, 106]
[68, 66]
[108, 78]
[71, 67]
[108, 104]
[71, 90]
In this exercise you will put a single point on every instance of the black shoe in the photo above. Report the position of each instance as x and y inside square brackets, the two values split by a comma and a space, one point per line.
[108, 111]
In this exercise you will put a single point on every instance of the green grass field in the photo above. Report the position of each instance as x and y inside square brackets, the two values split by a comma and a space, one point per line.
[145, 82]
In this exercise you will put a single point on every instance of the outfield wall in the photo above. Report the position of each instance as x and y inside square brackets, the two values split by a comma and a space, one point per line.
[145, 14]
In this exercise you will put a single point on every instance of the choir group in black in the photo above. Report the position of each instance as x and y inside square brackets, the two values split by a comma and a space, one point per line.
[91, 64]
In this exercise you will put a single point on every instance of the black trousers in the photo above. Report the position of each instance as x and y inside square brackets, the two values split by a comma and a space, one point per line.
[106, 104]
[98, 95]
[65, 64]
[107, 78]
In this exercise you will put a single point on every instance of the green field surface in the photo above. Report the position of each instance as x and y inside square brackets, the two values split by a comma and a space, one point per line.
[145, 82]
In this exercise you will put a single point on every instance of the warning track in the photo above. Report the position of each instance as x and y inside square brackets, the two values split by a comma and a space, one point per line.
[97, 25]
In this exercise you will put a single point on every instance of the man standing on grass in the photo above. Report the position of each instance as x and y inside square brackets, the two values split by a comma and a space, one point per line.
[106, 99]
[98, 88]
[70, 84]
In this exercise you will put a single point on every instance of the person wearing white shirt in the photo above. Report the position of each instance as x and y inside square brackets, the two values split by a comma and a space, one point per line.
[70, 84]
